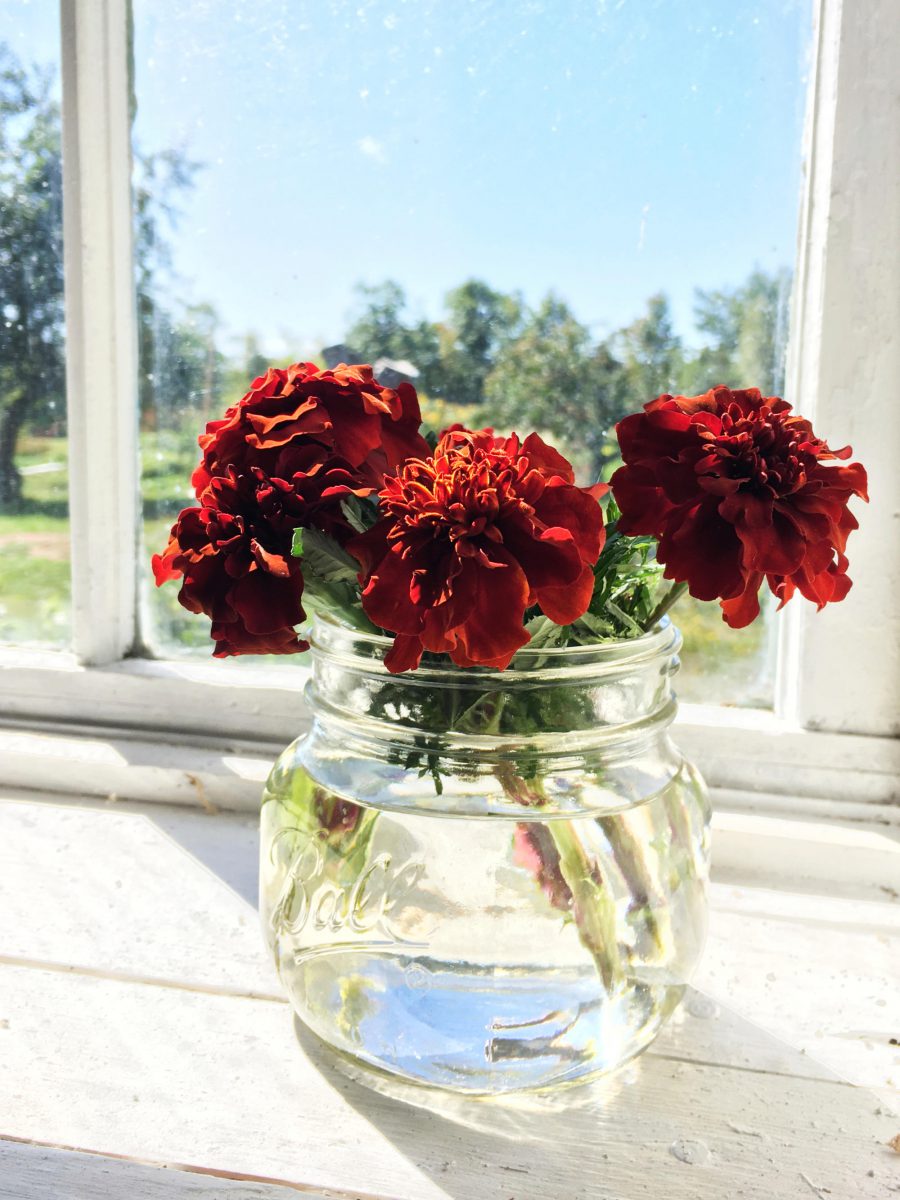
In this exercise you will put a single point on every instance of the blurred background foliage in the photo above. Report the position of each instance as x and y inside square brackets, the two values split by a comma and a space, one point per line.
[490, 359]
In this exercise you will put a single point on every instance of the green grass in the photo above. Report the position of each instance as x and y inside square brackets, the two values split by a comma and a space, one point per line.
[34, 597]
[13, 524]
[168, 459]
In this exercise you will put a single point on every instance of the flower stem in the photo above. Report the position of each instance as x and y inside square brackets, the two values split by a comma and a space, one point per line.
[675, 592]
[629, 852]
[594, 908]
[593, 904]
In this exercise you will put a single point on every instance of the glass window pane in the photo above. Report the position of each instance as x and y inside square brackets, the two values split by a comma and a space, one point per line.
[545, 215]
[34, 507]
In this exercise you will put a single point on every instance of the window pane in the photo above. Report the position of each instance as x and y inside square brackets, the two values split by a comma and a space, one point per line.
[34, 507]
[545, 215]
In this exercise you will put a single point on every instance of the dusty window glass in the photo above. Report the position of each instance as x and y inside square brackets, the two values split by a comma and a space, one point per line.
[34, 507]
[543, 215]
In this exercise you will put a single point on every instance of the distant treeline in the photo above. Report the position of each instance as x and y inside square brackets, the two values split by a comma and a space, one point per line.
[491, 355]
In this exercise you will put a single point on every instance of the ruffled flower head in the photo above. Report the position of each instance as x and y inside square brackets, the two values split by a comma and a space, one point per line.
[284, 457]
[471, 538]
[739, 491]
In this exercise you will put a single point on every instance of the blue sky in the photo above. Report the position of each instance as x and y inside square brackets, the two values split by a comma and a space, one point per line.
[604, 150]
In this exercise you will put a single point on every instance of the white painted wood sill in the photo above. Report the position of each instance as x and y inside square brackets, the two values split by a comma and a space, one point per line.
[141, 1028]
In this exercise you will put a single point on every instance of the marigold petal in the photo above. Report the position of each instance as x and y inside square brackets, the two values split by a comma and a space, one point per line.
[493, 605]
[387, 597]
[405, 654]
[578, 512]
[566, 604]
[742, 610]
[266, 603]
[702, 550]
[546, 458]
[163, 565]
[643, 505]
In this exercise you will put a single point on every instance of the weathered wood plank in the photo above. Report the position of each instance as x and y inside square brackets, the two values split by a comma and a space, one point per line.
[31, 1172]
[806, 852]
[163, 893]
[178, 1076]
[132, 894]
[819, 972]
[708, 1032]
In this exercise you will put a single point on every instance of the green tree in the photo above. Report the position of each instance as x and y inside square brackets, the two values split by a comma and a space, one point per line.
[746, 335]
[253, 362]
[384, 329]
[180, 365]
[480, 323]
[32, 370]
[181, 369]
[651, 354]
[553, 378]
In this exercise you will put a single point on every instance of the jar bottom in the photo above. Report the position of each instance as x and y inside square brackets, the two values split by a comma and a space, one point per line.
[468, 1028]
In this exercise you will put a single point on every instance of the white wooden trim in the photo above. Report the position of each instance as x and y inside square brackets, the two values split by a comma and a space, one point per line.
[255, 712]
[101, 327]
[746, 750]
[252, 705]
[117, 767]
[95, 746]
[841, 667]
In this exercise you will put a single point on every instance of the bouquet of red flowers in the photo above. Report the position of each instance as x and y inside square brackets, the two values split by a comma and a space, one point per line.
[318, 493]
[319, 490]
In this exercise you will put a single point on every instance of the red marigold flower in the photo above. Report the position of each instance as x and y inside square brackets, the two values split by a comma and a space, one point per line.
[370, 428]
[472, 537]
[237, 569]
[738, 490]
[284, 457]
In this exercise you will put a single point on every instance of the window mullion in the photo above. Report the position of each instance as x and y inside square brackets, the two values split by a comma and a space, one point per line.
[101, 355]
[840, 668]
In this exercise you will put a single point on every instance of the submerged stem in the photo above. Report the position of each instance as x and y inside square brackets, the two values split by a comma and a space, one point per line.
[630, 853]
[594, 908]
[593, 904]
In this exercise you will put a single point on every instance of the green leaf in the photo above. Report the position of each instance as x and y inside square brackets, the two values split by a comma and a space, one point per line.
[594, 625]
[322, 556]
[361, 513]
[330, 578]
[629, 623]
[540, 628]
[297, 543]
[433, 769]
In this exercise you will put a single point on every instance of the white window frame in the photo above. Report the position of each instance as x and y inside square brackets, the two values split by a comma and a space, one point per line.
[830, 737]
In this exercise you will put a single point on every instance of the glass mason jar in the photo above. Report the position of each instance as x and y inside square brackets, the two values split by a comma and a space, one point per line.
[484, 880]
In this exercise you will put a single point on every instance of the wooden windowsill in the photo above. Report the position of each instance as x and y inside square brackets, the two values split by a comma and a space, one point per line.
[142, 1027]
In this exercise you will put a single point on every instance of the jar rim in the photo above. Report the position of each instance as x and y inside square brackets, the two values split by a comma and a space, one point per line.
[330, 636]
